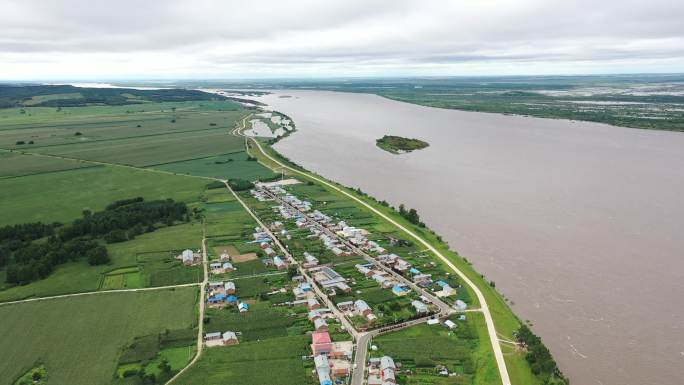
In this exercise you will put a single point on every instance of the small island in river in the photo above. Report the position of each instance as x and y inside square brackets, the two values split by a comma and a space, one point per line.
[399, 145]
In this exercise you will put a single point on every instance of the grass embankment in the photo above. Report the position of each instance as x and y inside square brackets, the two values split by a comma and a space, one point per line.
[505, 320]
[79, 339]
[400, 145]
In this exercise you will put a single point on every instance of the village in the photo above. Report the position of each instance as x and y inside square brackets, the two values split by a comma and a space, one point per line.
[342, 289]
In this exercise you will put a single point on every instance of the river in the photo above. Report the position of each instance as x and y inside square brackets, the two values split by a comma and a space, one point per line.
[581, 225]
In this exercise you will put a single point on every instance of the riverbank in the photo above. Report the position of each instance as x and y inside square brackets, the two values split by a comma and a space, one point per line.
[505, 321]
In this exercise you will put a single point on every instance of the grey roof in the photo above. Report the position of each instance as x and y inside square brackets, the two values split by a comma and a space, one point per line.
[386, 362]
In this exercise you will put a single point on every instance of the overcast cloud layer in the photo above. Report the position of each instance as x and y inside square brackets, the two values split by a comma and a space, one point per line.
[70, 39]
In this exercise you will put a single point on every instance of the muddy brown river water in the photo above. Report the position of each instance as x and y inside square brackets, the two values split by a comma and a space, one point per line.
[580, 225]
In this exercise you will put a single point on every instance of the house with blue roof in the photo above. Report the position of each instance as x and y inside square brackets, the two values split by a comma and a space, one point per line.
[399, 290]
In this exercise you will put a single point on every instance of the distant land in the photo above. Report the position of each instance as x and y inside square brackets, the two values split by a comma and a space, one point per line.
[650, 101]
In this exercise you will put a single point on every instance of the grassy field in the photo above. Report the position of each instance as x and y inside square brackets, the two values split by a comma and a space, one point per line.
[273, 361]
[62, 196]
[14, 164]
[150, 150]
[79, 339]
[227, 166]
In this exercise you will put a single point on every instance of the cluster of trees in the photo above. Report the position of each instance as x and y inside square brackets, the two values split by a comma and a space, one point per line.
[410, 215]
[37, 260]
[32, 251]
[240, 184]
[540, 359]
[123, 220]
[14, 237]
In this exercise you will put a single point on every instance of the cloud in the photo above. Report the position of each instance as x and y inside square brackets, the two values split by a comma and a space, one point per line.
[46, 39]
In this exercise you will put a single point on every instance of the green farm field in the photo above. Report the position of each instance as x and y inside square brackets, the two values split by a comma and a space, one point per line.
[228, 166]
[13, 164]
[62, 196]
[150, 150]
[79, 339]
[272, 361]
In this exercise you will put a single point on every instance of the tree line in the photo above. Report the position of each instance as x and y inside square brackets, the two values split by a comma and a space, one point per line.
[410, 215]
[31, 251]
[540, 359]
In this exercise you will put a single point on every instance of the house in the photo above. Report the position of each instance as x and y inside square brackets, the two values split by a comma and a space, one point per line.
[387, 369]
[320, 325]
[305, 286]
[227, 267]
[362, 307]
[450, 324]
[421, 278]
[342, 349]
[243, 307]
[415, 271]
[229, 338]
[344, 306]
[321, 343]
[432, 321]
[313, 304]
[446, 291]
[309, 260]
[460, 305]
[212, 336]
[343, 287]
[231, 300]
[402, 266]
[340, 368]
[314, 315]
[279, 263]
[217, 299]
[323, 370]
[364, 270]
[229, 287]
[215, 267]
[270, 252]
[371, 318]
[188, 257]
[399, 290]
[420, 307]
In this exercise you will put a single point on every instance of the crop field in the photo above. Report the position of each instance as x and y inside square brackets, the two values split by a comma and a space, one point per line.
[228, 166]
[150, 150]
[259, 323]
[253, 363]
[77, 125]
[14, 164]
[145, 261]
[463, 351]
[62, 196]
[79, 339]
[228, 218]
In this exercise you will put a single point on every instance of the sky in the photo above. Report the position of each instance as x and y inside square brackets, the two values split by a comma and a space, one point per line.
[226, 39]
